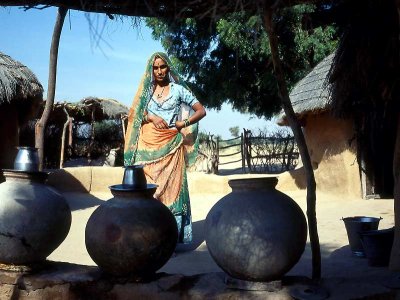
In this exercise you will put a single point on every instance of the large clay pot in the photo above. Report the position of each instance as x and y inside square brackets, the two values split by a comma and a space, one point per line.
[34, 218]
[132, 234]
[256, 233]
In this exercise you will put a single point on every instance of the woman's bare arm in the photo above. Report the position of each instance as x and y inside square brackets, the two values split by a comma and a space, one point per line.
[199, 113]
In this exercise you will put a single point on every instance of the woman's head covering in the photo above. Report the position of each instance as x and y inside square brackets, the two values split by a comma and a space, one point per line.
[139, 105]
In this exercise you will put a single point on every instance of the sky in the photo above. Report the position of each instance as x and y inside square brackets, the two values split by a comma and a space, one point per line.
[109, 67]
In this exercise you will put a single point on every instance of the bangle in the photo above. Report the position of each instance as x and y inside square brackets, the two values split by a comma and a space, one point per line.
[186, 122]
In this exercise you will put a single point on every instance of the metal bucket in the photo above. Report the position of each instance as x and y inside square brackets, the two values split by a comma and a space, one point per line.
[378, 246]
[354, 227]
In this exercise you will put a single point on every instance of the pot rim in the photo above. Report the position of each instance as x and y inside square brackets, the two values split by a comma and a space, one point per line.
[131, 188]
[27, 147]
[35, 176]
[358, 219]
[377, 231]
[261, 182]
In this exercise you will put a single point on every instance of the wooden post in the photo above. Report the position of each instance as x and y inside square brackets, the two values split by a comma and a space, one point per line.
[247, 144]
[242, 152]
[89, 154]
[217, 151]
[71, 123]
[123, 125]
[298, 134]
[40, 126]
[63, 139]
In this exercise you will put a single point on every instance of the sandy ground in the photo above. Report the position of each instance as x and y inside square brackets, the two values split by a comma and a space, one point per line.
[338, 264]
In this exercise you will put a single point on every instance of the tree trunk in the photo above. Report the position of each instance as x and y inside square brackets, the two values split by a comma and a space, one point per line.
[40, 127]
[394, 264]
[298, 134]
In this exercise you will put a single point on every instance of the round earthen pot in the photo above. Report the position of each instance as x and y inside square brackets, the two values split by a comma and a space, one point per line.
[34, 218]
[256, 233]
[132, 234]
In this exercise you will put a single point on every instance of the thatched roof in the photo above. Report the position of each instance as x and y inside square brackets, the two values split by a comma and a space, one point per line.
[157, 8]
[17, 82]
[311, 94]
[105, 108]
[102, 109]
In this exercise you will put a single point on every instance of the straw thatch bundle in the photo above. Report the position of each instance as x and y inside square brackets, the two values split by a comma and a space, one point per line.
[159, 8]
[88, 109]
[105, 108]
[311, 94]
[17, 81]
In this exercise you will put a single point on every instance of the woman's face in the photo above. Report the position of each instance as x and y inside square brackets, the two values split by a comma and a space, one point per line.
[160, 70]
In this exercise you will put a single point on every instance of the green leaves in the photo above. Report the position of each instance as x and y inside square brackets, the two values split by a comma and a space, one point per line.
[228, 60]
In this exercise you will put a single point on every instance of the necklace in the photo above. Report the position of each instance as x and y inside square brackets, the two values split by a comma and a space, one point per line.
[160, 94]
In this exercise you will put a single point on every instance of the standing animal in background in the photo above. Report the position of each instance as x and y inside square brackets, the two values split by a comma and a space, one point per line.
[214, 164]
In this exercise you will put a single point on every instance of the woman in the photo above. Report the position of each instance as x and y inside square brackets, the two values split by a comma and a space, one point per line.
[163, 141]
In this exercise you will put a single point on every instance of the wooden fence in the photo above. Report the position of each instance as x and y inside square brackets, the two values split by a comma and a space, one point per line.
[270, 154]
[249, 153]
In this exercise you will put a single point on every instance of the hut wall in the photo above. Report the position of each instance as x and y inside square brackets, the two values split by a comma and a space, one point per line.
[8, 135]
[333, 158]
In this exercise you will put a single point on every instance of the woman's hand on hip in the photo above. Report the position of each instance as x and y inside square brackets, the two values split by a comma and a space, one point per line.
[158, 122]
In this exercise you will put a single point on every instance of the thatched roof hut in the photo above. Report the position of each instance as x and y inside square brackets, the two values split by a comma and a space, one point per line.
[17, 82]
[328, 139]
[20, 97]
[84, 114]
[20, 87]
[332, 125]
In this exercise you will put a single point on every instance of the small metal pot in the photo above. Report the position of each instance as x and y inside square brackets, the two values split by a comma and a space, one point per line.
[134, 176]
[27, 159]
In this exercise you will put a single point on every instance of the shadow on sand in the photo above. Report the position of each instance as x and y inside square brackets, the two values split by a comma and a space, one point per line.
[198, 238]
[77, 201]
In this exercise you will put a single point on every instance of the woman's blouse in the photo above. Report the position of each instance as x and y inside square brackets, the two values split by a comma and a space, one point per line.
[169, 107]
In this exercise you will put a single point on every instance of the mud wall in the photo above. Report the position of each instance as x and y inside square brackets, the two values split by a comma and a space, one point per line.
[332, 150]
[9, 135]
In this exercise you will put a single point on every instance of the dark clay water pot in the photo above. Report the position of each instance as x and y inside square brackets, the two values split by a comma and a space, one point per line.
[256, 233]
[34, 218]
[132, 234]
